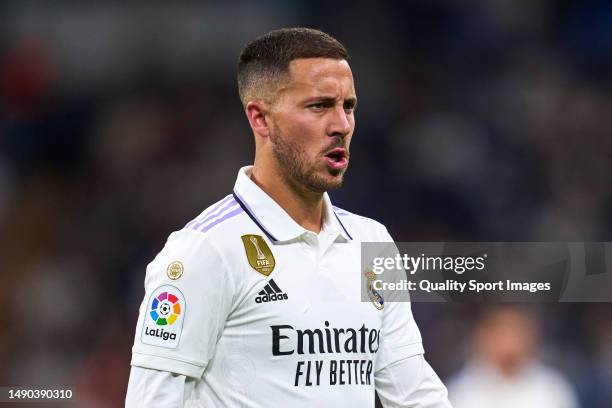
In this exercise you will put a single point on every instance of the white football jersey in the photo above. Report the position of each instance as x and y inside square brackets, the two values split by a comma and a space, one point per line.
[264, 312]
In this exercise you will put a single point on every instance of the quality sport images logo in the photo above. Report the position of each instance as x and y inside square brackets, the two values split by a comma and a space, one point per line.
[164, 320]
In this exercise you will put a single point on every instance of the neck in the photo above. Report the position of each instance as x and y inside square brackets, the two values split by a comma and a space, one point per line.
[303, 206]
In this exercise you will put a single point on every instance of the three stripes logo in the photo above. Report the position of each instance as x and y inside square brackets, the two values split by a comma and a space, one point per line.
[271, 293]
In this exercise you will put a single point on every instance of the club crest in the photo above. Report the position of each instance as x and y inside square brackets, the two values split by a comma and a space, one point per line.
[375, 297]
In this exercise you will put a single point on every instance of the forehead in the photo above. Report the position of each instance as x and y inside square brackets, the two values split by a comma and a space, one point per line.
[322, 75]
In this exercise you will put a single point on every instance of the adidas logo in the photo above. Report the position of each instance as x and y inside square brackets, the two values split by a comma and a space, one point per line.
[271, 293]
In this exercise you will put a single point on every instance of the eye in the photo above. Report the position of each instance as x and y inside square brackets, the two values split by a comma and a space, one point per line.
[317, 106]
[349, 107]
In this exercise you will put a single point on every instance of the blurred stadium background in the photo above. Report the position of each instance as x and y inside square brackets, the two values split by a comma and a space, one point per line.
[477, 120]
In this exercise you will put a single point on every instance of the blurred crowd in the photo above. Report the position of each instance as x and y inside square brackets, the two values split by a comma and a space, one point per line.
[477, 120]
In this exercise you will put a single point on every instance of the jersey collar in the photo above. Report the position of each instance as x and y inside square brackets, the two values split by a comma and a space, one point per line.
[272, 219]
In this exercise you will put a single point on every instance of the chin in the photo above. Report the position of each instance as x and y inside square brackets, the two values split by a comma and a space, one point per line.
[324, 183]
[335, 186]
[335, 182]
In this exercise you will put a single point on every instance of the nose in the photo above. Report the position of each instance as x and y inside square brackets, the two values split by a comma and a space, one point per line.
[341, 123]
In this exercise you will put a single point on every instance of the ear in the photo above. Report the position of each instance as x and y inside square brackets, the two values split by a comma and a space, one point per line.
[256, 112]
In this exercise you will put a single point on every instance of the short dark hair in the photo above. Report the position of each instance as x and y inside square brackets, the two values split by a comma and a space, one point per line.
[264, 62]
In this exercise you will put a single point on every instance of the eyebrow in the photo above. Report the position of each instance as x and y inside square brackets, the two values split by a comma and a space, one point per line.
[330, 99]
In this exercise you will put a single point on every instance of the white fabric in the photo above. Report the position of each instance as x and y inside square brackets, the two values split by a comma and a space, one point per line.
[479, 385]
[313, 348]
[149, 388]
[411, 382]
[407, 383]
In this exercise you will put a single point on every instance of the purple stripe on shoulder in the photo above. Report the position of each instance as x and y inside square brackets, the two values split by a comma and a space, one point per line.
[218, 212]
[216, 206]
[227, 207]
[225, 217]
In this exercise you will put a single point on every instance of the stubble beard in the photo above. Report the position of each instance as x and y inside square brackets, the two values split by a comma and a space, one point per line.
[292, 160]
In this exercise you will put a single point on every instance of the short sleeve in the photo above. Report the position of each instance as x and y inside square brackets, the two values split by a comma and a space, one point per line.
[400, 337]
[188, 296]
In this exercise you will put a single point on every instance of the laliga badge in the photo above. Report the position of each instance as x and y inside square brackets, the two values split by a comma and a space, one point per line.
[258, 253]
[175, 270]
[376, 298]
[163, 321]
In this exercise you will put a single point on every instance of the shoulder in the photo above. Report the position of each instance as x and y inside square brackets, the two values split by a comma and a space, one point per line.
[363, 228]
[208, 243]
[209, 231]
[217, 214]
[550, 377]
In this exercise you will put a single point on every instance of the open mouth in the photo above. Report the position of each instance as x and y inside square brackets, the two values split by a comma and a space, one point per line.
[337, 158]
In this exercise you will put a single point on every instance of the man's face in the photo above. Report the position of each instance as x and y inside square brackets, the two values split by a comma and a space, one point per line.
[312, 123]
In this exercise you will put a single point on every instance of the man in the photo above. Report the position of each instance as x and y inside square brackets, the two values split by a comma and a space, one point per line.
[256, 302]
